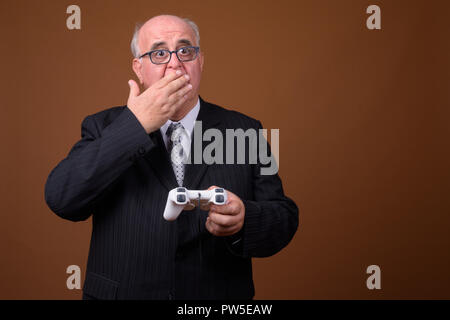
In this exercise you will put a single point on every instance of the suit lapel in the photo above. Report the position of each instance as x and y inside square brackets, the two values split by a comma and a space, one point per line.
[195, 172]
[160, 162]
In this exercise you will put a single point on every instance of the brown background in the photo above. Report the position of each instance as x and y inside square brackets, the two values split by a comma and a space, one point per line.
[363, 118]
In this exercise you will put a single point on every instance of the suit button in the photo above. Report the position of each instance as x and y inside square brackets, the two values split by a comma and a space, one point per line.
[141, 150]
[170, 296]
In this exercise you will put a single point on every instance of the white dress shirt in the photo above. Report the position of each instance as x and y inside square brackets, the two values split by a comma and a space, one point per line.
[188, 124]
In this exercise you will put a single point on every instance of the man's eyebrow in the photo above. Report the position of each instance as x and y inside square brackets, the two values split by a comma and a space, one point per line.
[157, 44]
[162, 43]
[185, 41]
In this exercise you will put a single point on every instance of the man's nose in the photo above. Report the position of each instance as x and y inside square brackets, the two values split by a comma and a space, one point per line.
[174, 63]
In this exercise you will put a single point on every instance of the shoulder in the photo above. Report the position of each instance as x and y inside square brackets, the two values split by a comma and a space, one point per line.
[105, 117]
[230, 117]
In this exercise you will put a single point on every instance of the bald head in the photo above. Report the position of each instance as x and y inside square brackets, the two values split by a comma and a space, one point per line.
[159, 25]
[172, 37]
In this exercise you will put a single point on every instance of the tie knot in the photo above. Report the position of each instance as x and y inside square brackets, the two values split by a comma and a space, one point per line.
[174, 131]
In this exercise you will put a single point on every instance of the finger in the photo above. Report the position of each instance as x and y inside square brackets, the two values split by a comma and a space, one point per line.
[230, 208]
[173, 108]
[212, 187]
[177, 84]
[134, 89]
[223, 220]
[181, 92]
[218, 230]
[164, 81]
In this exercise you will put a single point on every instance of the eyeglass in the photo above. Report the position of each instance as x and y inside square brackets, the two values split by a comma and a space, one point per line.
[163, 56]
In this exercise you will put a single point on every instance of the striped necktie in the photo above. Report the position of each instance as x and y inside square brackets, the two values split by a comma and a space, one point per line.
[174, 133]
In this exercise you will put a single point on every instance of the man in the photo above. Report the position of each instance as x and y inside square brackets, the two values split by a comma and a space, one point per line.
[123, 168]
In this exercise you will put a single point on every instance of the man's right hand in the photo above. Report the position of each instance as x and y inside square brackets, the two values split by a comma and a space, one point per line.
[160, 101]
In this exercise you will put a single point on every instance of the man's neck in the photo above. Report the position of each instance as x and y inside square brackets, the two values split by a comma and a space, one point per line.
[184, 109]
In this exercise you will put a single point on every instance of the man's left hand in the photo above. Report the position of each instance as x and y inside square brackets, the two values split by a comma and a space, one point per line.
[227, 219]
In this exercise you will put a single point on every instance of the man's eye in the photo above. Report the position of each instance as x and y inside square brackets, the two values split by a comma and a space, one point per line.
[184, 50]
[160, 53]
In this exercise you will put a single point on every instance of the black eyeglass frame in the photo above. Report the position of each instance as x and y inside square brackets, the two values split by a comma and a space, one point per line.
[197, 49]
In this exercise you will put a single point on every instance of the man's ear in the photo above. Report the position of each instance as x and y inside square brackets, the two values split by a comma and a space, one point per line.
[137, 65]
[202, 59]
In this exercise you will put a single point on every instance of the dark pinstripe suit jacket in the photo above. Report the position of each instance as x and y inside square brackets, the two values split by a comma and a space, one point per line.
[121, 176]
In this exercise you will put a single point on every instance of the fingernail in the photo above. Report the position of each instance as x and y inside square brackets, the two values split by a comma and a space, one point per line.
[190, 86]
[186, 76]
[178, 72]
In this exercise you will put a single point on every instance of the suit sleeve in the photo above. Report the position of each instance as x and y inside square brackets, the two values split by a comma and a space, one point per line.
[271, 218]
[77, 183]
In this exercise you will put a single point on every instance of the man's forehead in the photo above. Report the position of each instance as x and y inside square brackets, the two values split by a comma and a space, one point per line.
[169, 35]
[164, 30]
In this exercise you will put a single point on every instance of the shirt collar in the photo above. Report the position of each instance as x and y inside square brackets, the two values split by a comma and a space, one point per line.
[187, 122]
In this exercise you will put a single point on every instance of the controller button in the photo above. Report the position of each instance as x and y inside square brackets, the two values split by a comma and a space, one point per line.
[181, 198]
[219, 190]
[181, 189]
[220, 198]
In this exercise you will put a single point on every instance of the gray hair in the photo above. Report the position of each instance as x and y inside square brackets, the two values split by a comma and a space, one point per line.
[135, 41]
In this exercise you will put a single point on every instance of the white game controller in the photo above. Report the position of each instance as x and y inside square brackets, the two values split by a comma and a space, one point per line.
[180, 199]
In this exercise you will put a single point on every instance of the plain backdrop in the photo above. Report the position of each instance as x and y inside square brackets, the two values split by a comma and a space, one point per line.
[363, 118]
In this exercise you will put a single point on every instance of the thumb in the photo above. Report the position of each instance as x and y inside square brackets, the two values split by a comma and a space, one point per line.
[134, 89]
